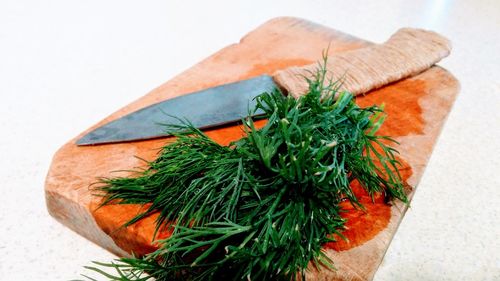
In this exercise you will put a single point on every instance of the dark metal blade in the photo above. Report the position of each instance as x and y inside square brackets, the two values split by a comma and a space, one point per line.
[204, 109]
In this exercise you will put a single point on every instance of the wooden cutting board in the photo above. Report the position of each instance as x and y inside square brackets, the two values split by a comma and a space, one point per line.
[417, 108]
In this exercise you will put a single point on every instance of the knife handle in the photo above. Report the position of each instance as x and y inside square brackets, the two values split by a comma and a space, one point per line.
[407, 52]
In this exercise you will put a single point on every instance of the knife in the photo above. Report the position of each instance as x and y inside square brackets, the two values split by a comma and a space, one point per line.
[408, 52]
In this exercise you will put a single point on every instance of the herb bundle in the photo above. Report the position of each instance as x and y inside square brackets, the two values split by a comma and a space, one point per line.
[262, 207]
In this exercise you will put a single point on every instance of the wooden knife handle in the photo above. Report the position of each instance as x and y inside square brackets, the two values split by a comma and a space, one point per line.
[408, 52]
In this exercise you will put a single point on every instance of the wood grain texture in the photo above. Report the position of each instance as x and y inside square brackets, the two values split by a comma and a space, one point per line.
[417, 110]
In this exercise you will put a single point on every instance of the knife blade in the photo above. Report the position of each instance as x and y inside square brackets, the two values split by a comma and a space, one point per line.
[408, 52]
[204, 109]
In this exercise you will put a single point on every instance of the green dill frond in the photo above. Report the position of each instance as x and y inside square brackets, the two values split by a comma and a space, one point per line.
[262, 207]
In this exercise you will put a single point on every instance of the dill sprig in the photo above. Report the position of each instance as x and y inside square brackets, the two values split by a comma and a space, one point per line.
[262, 207]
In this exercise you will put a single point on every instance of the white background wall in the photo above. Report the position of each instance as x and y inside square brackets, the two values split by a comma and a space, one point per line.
[64, 65]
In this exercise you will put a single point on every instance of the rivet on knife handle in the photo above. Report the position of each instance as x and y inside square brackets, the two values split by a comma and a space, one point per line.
[408, 52]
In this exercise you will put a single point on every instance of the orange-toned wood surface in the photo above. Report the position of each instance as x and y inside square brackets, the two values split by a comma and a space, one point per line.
[417, 109]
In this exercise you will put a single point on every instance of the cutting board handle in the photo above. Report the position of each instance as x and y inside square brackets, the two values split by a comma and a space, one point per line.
[408, 52]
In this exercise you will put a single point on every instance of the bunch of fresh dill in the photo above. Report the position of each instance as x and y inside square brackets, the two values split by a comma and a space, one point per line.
[262, 207]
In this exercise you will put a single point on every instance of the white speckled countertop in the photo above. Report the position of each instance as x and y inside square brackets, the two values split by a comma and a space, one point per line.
[64, 65]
